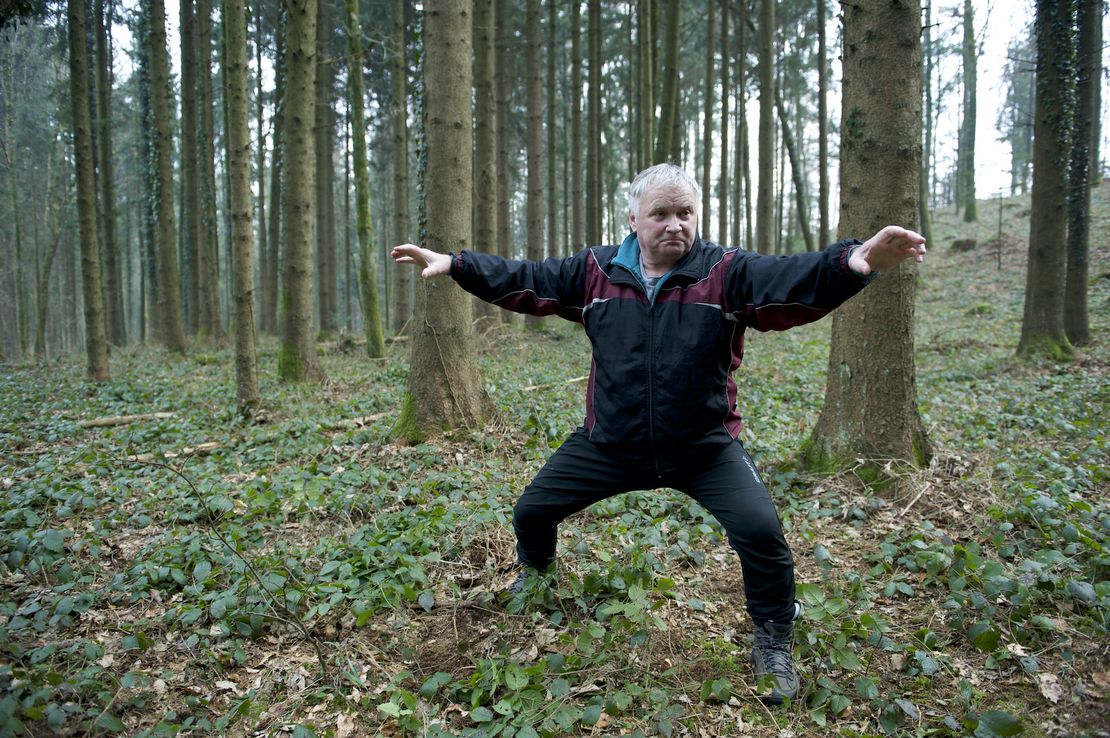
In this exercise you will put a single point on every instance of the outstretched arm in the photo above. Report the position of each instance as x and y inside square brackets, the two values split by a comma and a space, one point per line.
[887, 249]
[431, 263]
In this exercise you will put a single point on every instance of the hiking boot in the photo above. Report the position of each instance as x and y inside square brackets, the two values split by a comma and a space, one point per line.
[772, 656]
[520, 582]
[529, 578]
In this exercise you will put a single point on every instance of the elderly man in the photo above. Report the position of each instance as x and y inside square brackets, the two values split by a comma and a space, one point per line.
[665, 313]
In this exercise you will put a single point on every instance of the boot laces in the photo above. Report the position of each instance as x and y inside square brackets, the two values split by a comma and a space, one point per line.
[776, 651]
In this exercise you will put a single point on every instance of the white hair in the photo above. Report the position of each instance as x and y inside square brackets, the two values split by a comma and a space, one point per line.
[664, 176]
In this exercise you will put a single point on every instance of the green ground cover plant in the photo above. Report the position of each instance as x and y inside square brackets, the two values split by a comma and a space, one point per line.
[300, 573]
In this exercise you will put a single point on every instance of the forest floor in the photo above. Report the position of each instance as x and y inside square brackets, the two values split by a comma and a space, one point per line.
[304, 574]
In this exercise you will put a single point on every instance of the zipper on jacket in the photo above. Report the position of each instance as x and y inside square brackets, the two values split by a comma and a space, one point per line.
[650, 362]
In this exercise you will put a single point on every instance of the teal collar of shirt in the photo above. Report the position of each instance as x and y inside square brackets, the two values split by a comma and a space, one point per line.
[628, 256]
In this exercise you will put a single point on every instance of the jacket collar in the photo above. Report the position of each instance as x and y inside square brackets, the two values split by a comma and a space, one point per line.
[628, 256]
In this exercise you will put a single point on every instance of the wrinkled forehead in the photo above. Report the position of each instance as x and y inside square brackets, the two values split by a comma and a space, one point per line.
[668, 196]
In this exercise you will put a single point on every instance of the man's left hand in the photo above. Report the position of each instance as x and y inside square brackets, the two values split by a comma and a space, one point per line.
[887, 249]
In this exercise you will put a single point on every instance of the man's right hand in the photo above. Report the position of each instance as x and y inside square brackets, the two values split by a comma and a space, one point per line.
[431, 263]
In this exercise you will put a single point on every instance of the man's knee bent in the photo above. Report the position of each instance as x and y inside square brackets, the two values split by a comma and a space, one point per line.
[757, 530]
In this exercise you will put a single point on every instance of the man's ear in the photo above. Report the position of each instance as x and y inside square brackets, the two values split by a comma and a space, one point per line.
[632, 220]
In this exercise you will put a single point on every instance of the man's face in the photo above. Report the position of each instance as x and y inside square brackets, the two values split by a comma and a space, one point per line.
[665, 224]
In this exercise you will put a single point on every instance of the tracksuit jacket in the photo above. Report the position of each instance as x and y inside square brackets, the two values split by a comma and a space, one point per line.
[661, 373]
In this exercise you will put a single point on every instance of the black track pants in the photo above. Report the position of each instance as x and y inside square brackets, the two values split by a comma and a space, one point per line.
[726, 483]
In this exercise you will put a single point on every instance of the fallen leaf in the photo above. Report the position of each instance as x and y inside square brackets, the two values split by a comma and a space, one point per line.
[1102, 679]
[227, 686]
[1050, 687]
[344, 725]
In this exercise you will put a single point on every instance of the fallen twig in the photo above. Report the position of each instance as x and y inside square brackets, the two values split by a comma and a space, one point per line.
[348, 423]
[201, 449]
[122, 420]
[917, 497]
[572, 380]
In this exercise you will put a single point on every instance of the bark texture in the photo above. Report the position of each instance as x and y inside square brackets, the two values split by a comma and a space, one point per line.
[208, 248]
[96, 336]
[192, 231]
[870, 407]
[242, 233]
[765, 197]
[398, 129]
[485, 143]
[722, 180]
[113, 290]
[668, 111]
[297, 358]
[823, 235]
[445, 391]
[1042, 325]
[534, 113]
[271, 273]
[593, 118]
[1077, 325]
[967, 125]
[577, 224]
[168, 293]
[325, 173]
[367, 271]
[707, 118]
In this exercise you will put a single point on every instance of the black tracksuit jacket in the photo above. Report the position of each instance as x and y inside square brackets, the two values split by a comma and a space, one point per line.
[661, 374]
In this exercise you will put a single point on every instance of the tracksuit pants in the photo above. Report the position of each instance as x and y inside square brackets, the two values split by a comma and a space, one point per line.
[723, 481]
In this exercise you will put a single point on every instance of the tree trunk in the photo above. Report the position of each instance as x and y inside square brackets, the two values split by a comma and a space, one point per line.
[739, 143]
[192, 231]
[209, 246]
[113, 294]
[577, 224]
[506, 50]
[445, 391]
[348, 268]
[645, 85]
[1095, 166]
[264, 254]
[367, 271]
[722, 182]
[270, 277]
[398, 128]
[96, 338]
[593, 118]
[1076, 321]
[800, 196]
[325, 172]
[552, 212]
[1042, 326]
[967, 127]
[749, 224]
[871, 392]
[297, 355]
[534, 150]
[58, 232]
[823, 235]
[485, 133]
[15, 196]
[169, 275]
[668, 110]
[707, 119]
[765, 197]
[151, 320]
[242, 232]
[926, 221]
